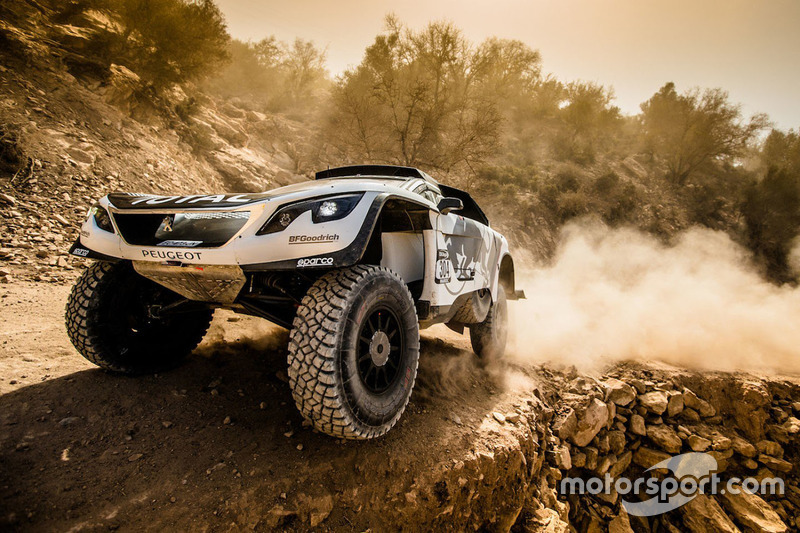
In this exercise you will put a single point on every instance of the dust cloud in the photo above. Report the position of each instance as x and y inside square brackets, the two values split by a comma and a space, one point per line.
[617, 294]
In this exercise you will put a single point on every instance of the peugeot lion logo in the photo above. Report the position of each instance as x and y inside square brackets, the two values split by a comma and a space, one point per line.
[167, 223]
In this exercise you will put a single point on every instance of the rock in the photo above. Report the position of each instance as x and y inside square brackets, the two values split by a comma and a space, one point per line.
[512, 417]
[637, 426]
[589, 425]
[655, 402]
[319, 509]
[703, 408]
[773, 463]
[227, 420]
[639, 385]
[665, 438]
[563, 459]
[7, 200]
[276, 516]
[499, 417]
[578, 460]
[647, 457]
[591, 457]
[702, 514]
[68, 421]
[566, 425]
[621, 523]
[721, 443]
[675, 404]
[61, 220]
[722, 459]
[616, 441]
[622, 464]
[742, 447]
[750, 464]
[80, 156]
[134, 457]
[166, 424]
[619, 392]
[698, 444]
[750, 402]
[604, 463]
[690, 415]
[792, 426]
[770, 448]
[752, 512]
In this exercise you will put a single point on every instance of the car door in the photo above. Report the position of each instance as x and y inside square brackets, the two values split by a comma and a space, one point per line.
[463, 248]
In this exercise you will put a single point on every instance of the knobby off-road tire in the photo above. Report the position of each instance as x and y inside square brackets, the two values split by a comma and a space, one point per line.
[110, 320]
[490, 336]
[353, 352]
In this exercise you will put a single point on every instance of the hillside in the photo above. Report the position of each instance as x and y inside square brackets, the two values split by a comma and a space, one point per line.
[69, 137]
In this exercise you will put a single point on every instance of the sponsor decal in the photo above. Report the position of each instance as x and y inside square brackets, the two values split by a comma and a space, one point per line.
[180, 244]
[166, 224]
[85, 233]
[192, 199]
[80, 252]
[313, 239]
[171, 255]
[315, 261]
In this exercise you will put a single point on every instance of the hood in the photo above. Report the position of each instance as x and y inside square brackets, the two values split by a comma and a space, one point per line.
[306, 189]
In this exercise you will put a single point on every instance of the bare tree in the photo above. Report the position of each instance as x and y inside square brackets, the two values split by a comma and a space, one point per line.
[692, 129]
[428, 98]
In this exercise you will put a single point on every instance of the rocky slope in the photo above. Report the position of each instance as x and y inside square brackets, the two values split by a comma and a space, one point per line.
[69, 135]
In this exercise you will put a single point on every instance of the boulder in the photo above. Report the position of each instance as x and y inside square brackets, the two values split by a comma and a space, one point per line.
[744, 448]
[566, 425]
[665, 438]
[752, 512]
[590, 423]
[636, 425]
[647, 457]
[703, 514]
[656, 402]
[792, 426]
[773, 463]
[675, 404]
[698, 444]
[619, 392]
[702, 407]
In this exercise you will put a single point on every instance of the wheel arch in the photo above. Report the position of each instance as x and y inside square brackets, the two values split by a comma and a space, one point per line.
[506, 275]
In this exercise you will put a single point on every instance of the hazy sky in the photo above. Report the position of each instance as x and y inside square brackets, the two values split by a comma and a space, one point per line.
[749, 47]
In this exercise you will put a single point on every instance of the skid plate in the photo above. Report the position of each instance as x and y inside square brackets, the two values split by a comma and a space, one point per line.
[205, 283]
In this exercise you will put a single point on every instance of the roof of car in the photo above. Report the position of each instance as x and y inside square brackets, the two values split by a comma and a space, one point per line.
[383, 171]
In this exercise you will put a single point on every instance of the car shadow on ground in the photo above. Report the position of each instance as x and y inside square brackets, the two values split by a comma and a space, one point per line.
[101, 449]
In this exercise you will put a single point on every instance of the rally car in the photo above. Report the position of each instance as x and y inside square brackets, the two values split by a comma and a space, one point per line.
[353, 263]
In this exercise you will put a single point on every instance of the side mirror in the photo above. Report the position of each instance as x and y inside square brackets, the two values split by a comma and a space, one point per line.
[450, 204]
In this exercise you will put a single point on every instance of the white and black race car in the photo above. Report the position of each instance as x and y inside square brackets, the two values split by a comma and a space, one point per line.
[354, 263]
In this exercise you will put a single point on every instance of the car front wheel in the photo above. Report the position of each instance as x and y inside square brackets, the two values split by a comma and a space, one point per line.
[353, 352]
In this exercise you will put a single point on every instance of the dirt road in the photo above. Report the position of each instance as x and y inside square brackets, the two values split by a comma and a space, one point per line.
[218, 444]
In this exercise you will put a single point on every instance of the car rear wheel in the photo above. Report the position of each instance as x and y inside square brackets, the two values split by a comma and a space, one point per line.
[490, 336]
[126, 323]
[353, 352]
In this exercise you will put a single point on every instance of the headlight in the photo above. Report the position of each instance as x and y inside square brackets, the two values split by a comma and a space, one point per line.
[322, 210]
[101, 218]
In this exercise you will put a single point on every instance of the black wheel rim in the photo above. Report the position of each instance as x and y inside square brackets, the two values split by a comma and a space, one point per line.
[380, 350]
[136, 308]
